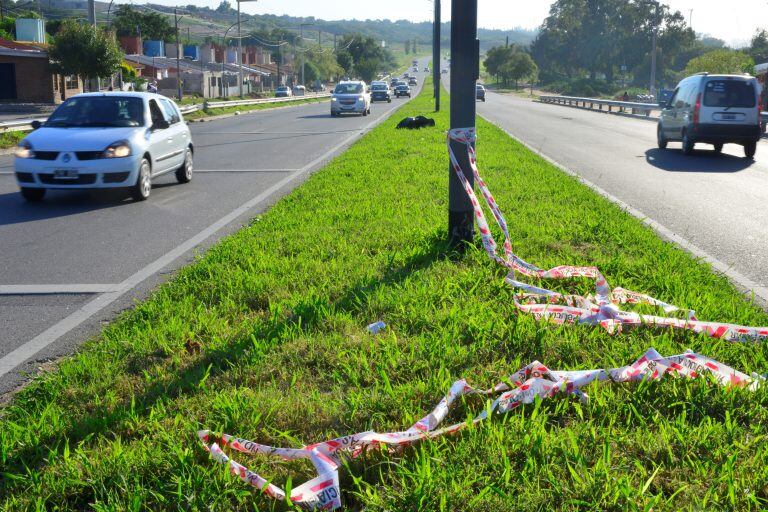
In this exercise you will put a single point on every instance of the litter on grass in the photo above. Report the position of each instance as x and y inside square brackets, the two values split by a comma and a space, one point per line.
[601, 309]
[376, 327]
[522, 387]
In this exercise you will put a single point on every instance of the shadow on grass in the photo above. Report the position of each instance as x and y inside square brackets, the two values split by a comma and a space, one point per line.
[307, 313]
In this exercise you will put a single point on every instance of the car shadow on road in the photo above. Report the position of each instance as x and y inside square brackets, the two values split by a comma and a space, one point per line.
[673, 160]
[15, 210]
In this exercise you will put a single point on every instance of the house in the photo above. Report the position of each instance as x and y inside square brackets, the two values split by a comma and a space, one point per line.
[26, 75]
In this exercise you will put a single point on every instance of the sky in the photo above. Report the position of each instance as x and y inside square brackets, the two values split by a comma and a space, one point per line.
[734, 21]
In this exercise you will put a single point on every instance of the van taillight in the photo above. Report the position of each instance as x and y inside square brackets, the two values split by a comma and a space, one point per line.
[697, 109]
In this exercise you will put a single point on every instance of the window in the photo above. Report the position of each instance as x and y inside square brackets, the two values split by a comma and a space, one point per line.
[351, 88]
[171, 115]
[729, 94]
[156, 112]
[98, 111]
[213, 81]
[71, 82]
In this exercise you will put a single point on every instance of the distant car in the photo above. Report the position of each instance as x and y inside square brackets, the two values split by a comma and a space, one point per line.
[105, 140]
[380, 92]
[393, 82]
[480, 92]
[351, 97]
[444, 71]
[283, 92]
[402, 90]
[413, 81]
[299, 90]
[713, 109]
[426, 70]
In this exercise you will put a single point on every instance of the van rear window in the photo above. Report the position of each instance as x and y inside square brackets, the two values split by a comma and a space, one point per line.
[729, 93]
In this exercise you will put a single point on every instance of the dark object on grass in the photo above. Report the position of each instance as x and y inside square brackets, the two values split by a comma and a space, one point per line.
[414, 123]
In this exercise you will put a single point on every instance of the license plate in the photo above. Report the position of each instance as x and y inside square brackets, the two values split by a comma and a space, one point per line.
[729, 117]
[65, 174]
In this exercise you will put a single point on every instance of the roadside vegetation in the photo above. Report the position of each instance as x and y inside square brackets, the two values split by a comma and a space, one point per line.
[10, 139]
[264, 336]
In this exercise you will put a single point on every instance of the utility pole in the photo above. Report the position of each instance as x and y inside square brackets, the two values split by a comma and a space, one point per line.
[239, 50]
[279, 58]
[464, 75]
[301, 37]
[653, 50]
[334, 42]
[178, 66]
[2, 10]
[436, 55]
[92, 22]
[507, 41]
[319, 37]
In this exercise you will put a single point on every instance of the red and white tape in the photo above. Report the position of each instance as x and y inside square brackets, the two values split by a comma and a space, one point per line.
[522, 387]
[602, 309]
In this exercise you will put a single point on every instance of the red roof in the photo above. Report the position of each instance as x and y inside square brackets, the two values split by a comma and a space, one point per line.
[25, 46]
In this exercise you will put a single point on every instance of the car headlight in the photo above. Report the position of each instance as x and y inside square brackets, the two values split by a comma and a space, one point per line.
[119, 149]
[334, 99]
[361, 99]
[24, 150]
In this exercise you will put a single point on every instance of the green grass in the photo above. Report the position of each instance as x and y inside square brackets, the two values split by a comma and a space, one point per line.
[10, 139]
[247, 108]
[264, 336]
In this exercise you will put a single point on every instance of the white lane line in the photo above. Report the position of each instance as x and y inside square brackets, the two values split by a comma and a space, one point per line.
[63, 326]
[247, 170]
[262, 132]
[747, 286]
[52, 289]
[10, 173]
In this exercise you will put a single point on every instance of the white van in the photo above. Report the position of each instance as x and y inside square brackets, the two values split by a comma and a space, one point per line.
[713, 109]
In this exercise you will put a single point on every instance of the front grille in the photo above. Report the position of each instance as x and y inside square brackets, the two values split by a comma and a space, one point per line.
[46, 155]
[88, 155]
[115, 177]
[347, 102]
[83, 179]
[25, 177]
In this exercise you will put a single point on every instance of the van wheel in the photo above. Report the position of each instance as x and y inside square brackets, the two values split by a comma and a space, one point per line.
[660, 138]
[32, 194]
[143, 187]
[749, 149]
[718, 148]
[687, 144]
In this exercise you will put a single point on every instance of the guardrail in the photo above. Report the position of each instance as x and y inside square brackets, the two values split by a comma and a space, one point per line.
[19, 125]
[237, 103]
[621, 106]
[598, 103]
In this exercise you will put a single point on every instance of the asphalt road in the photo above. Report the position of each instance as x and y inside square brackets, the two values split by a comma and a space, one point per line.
[716, 203]
[104, 242]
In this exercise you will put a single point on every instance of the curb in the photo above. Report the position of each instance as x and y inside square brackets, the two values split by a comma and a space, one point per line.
[252, 111]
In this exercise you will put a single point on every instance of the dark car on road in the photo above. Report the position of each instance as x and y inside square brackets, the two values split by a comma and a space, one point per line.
[380, 92]
[413, 81]
[402, 90]
[480, 92]
[283, 92]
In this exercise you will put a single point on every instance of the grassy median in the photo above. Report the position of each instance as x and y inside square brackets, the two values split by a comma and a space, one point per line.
[264, 336]
[217, 111]
[10, 139]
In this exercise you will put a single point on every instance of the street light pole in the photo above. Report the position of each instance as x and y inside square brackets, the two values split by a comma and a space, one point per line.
[178, 67]
[240, 44]
[464, 75]
[653, 50]
[301, 38]
[436, 56]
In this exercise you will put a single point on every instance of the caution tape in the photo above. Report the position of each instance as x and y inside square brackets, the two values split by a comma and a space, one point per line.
[601, 309]
[522, 387]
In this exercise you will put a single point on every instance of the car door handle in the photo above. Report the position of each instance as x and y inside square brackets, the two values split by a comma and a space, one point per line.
[170, 141]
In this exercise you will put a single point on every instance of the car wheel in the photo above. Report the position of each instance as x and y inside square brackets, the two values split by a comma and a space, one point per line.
[369, 110]
[718, 148]
[365, 112]
[184, 173]
[143, 187]
[33, 194]
[749, 149]
[660, 138]
[687, 144]
[389, 100]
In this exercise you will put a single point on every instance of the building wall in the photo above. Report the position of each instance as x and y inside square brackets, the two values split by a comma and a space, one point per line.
[131, 45]
[34, 80]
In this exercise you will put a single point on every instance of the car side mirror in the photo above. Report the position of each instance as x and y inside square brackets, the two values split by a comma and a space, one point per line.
[36, 124]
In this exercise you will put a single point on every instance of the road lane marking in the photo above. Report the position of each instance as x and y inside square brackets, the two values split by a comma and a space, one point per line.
[55, 289]
[262, 132]
[73, 320]
[747, 286]
[247, 170]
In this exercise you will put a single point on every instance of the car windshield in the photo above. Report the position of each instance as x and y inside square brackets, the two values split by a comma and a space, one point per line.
[98, 111]
[729, 93]
[378, 87]
[348, 89]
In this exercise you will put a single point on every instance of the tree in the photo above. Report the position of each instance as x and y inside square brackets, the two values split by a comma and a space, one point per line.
[224, 7]
[345, 61]
[758, 49]
[363, 56]
[407, 46]
[150, 25]
[85, 51]
[722, 61]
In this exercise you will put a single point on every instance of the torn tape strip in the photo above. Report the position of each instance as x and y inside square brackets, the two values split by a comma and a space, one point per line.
[602, 309]
[522, 387]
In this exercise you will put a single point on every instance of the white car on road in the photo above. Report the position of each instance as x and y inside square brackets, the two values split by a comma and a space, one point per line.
[105, 140]
[351, 96]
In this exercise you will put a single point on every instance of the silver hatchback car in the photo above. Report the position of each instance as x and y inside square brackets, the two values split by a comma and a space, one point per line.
[105, 140]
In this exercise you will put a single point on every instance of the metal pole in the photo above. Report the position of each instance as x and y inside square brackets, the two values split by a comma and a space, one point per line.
[279, 58]
[92, 21]
[178, 51]
[653, 51]
[2, 9]
[239, 49]
[301, 38]
[319, 36]
[464, 71]
[436, 56]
